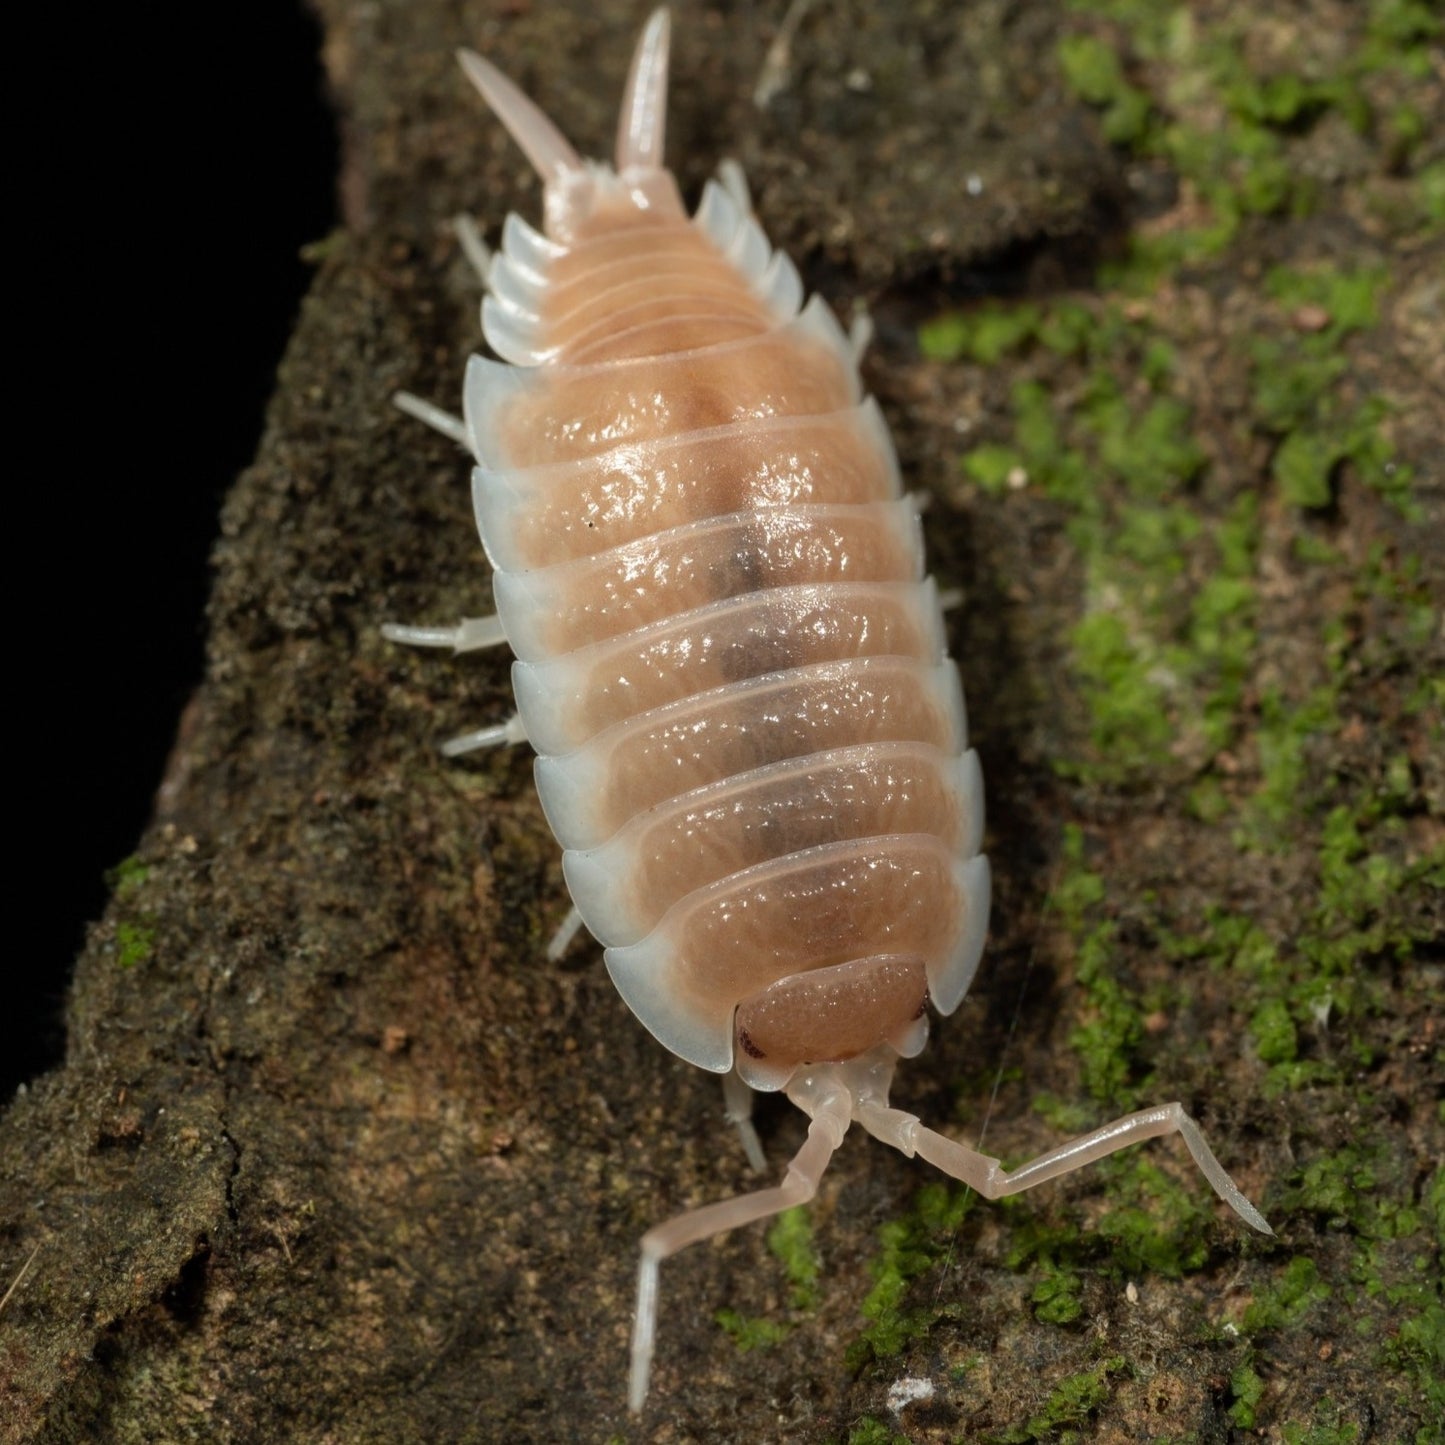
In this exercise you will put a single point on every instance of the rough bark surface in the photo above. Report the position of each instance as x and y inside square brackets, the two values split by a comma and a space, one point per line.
[335, 1156]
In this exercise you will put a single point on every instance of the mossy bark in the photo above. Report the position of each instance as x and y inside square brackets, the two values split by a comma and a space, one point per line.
[336, 1156]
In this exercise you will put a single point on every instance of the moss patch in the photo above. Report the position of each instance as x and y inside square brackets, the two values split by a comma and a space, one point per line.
[1227, 447]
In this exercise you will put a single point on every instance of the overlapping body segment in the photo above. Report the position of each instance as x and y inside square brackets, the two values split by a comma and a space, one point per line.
[714, 589]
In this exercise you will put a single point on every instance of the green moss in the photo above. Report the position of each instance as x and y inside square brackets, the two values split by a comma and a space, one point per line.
[1112, 1026]
[134, 943]
[1150, 450]
[1275, 1038]
[992, 467]
[1055, 1297]
[1288, 382]
[1120, 675]
[1397, 33]
[1054, 1254]
[869, 1431]
[1297, 394]
[1068, 1407]
[1303, 467]
[1418, 1351]
[1350, 299]
[1311, 550]
[1111, 1016]
[1094, 73]
[1325, 1429]
[1245, 160]
[1247, 1389]
[1342, 1189]
[1431, 182]
[984, 335]
[127, 877]
[791, 1241]
[1299, 1290]
[1066, 328]
[909, 1246]
[1287, 726]
[751, 1334]
[1162, 661]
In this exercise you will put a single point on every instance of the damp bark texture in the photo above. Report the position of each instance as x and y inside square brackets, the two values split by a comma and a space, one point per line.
[335, 1155]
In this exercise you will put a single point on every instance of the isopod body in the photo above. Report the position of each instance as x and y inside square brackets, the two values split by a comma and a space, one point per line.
[751, 744]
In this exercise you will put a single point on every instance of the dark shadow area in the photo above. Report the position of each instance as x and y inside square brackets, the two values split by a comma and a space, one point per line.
[186, 206]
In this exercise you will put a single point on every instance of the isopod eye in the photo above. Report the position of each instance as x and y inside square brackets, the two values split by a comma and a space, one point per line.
[831, 1014]
[746, 1044]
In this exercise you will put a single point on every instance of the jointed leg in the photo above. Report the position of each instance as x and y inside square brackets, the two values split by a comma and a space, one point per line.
[738, 1111]
[498, 735]
[452, 427]
[800, 1183]
[474, 248]
[993, 1181]
[561, 940]
[468, 635]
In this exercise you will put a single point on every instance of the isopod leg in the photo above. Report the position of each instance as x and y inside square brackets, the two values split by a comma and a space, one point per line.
[474, 248]
[451, 427]
[993, 1181]
[738, 1111]
[567, 930]
[800, 1183]
[468, 635]
[498, 735]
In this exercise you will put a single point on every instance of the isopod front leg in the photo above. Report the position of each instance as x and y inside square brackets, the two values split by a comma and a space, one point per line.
[800, 1184]
[993, 1181]
[738, 1111]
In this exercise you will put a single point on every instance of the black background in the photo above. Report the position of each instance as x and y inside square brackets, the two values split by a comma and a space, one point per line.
[180, 159]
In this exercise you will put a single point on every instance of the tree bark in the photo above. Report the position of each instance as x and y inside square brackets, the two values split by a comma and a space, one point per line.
[335, 1155]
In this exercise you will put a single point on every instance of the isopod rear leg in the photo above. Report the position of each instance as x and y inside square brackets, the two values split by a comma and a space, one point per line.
[567, 930]
[497, 735]
[451, 427]
[738, 1111]
[993, 1181]
[469, 635]
[829, 1124]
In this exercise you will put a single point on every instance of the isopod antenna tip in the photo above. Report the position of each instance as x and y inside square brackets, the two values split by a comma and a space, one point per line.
[642, 122]
[549, 151]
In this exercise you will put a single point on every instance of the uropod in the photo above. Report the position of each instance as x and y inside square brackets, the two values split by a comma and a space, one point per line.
[750, 742]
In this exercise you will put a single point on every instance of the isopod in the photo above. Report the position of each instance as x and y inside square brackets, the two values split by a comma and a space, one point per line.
[751, 744]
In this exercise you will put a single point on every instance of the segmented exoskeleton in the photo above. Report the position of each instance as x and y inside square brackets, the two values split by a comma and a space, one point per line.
[751, 744]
